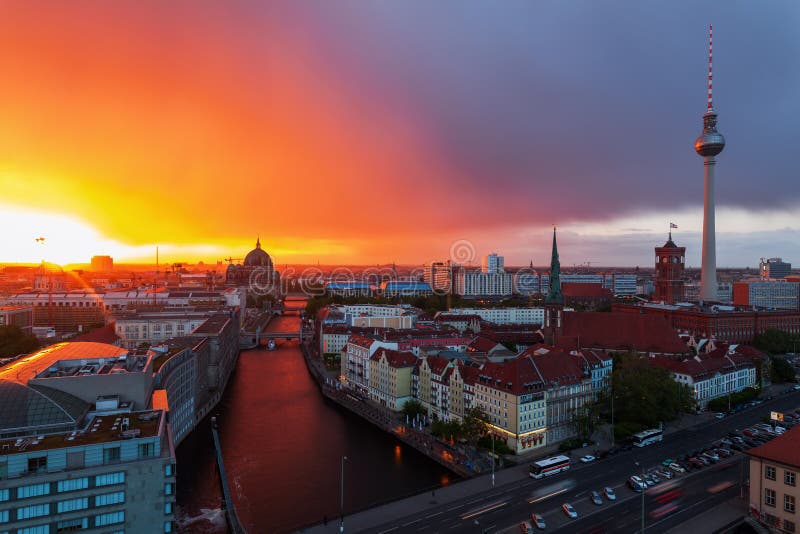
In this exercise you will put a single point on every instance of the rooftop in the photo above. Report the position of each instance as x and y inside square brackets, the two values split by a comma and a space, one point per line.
[23, 369]
[782, 449]
[100, 429]
[213, 325]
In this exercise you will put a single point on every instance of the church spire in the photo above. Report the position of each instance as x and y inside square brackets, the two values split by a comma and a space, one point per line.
[258, 242]
[554, 295]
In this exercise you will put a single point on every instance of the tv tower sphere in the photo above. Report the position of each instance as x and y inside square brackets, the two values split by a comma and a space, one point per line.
[710, 143]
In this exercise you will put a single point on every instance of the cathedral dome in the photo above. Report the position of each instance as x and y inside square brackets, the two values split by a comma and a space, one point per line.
[258, 258]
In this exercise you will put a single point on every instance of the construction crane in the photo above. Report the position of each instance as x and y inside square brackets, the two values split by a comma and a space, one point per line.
[231, 260]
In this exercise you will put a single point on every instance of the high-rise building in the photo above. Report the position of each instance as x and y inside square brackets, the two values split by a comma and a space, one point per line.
[668, 277]
[102, 263]
[438, 276]
[709, 145]
[774, 268]
[493, 263]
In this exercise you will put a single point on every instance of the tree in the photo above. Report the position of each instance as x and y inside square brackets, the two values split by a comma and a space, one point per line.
[775, 341]
[782, 371]
[585, 419]
[13, 341]
[474, 425]
[413, 408]
[645, 394]
[510, 345]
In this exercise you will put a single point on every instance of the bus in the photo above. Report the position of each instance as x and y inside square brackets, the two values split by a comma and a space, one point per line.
[549, 466]
[647, 437]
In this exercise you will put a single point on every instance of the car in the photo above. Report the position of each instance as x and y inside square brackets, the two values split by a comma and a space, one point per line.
[649, 480]
[737, 446]
[724, 453]
[712, 455]
[587, 459]
[654, 476]
[525, 528]
[569, 510]
[609, 493]
[538, 520]
[595, 497]
[636, 484]
[719, 415]
[666, 462]
[678, 468]
[703, 458]
[697, 463]
[796, 387]
[665, 473]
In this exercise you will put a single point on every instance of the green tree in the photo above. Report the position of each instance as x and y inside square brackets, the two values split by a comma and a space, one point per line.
[585, 419]
[13, 341]
[510, 345]
[645, 394]
[474, 425]
[412, 408]
[782, 371]
[775, 341]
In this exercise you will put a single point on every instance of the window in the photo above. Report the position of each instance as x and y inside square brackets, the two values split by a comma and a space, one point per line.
[73, 524]
[168, 526]
[788, 526]
[110, 478]
[769, 497]
[109, 519]
[769, 472]
[73, 484]
[40, 529]
[109, 498]
[111, 455]
[146, 450]
[788, 503]
[73, 504]
[4, 495]
[38, 464]
[167, 508]
[35, 510]
[34, 490]
[789, 478]
[4, 516]
[167, 489]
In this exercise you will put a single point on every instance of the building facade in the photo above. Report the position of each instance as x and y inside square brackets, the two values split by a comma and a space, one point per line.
[772, 268]
[775, 294]
[669, 272]
[774, 472]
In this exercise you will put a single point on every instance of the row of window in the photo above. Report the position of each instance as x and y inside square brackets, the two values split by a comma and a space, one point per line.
[770, 498]
[789, 477]
[74, 484]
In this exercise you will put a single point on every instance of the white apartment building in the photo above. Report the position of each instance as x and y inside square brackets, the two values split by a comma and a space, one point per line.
[156, 327]
[504, 315]
[474, 283]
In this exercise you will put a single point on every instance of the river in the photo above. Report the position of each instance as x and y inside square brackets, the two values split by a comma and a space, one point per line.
[282, 445]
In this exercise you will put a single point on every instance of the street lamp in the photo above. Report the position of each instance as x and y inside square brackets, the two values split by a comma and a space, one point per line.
[643, 492]
[492, 458]
[341, 497]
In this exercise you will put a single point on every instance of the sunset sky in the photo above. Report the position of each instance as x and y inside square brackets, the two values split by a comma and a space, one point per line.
[366, 132]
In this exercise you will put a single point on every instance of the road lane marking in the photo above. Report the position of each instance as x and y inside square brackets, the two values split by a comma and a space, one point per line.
[388, 530]
[412, 522]
[433, 515]
[484, 510]
[455, 508]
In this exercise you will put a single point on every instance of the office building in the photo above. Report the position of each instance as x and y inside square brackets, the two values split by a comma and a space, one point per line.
[102, 264]
[493, 264]
[774, 268]
[438, 275]
[767, 293]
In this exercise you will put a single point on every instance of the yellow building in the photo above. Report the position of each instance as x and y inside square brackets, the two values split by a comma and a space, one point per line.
[774, 470]
[390, 377]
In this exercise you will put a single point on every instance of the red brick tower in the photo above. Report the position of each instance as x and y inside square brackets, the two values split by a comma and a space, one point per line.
[668, 279]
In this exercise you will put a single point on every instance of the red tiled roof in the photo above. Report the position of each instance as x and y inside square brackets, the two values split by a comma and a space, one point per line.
[620, 331]
[579, 289]
[437, 364]
[782, 449]
[104, 334]
[481, 344]
[703, 368]
[361, 341]
[396, 358]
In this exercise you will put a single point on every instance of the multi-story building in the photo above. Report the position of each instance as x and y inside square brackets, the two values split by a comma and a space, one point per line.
[438, 275]
[710, 378]
[69, 311]
[669, 272]
[691, 292]
[355, 360]
[102, 264]
[526, 282]
[724, 323]
[403, 288]
[137, 328]
[503, 315]
[475, 283]
[493, 264]
[776, 294]
[348, 289]
[390, 377]
[461, 322]
[774, 490]
[772, 268]
[19, 316]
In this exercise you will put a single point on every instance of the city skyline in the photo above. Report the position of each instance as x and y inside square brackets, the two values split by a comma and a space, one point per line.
[369, 135]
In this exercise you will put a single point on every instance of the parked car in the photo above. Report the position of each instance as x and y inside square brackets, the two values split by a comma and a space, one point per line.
[596, 498]
[538, 520]
[719, 415]
[666, 462]
[609, 493]
[724, 453]
[678, 468]
[654, 476]
[569, 510]
[665, 473]
[697, 463]
[587, 459]
[636, 484]
[737, 446]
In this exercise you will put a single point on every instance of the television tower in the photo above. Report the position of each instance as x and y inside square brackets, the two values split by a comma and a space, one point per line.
[708, 145]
